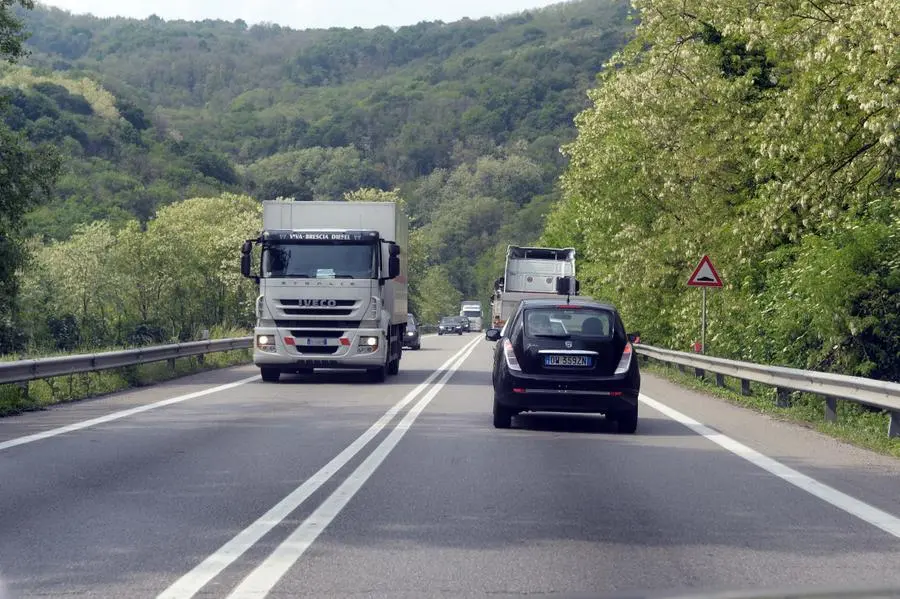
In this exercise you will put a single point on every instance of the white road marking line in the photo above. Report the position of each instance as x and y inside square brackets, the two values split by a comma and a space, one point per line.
[119, 415]
[868, 513]
[259, 582]
[192, 582]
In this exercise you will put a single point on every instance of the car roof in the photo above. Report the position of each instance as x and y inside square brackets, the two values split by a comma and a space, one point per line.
[552, 303]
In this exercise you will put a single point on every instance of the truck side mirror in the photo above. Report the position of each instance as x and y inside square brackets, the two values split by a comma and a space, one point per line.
[394, 250]
[567, 286]
[393, 267]
[247, 260]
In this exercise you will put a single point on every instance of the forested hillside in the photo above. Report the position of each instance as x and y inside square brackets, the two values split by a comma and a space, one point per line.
[768, 139]
[464, 120]
[116, 165]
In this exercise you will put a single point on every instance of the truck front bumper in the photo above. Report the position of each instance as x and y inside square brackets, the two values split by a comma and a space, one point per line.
[292, 354]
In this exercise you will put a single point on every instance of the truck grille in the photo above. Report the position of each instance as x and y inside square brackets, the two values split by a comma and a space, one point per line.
[337, 303]
[342, 325]
[333, 307]
[325, 311]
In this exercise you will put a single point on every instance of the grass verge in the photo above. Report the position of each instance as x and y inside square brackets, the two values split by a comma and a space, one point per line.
[38, 394]
[855, 424]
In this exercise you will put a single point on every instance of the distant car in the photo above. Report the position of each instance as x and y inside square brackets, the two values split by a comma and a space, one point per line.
[450, 325]
[412, 339]
[465, 322]
[554, 356]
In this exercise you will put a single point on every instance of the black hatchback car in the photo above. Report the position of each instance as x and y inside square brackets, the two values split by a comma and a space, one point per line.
[450, 325]
[556, 356]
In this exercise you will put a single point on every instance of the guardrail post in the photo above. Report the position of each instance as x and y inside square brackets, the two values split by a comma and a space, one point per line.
[745, 387]
[699, 372]
[720, 380]
[682, 369]
[782, 397]
[894, 424]
[830, 409]
[171, 363]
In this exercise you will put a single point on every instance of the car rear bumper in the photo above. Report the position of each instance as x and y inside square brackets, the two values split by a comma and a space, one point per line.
[568, 394]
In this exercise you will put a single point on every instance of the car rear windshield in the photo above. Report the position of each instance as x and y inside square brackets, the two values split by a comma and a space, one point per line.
[557, 321]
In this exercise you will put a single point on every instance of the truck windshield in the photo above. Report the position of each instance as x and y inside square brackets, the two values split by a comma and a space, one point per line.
[472, 313]
[320, 261]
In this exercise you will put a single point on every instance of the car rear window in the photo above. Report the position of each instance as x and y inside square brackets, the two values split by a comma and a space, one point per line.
[555, 321]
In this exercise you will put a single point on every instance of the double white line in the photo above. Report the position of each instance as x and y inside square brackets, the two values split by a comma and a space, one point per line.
[267, 574]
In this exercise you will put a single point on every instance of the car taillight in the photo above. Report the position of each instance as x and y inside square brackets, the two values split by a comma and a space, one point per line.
[509, 353]
[625, 360]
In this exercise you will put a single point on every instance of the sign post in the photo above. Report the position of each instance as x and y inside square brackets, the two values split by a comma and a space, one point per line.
[704, 276]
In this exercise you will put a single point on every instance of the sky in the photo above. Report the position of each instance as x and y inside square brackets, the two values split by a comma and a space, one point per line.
[303, 14]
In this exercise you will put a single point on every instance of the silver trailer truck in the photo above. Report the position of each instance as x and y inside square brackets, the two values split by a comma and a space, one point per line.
[332, 287]
[529, 272]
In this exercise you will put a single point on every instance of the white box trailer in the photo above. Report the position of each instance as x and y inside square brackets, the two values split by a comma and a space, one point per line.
[333, 289]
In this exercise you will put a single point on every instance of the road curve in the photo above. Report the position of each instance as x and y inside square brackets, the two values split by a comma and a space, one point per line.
[218, 485]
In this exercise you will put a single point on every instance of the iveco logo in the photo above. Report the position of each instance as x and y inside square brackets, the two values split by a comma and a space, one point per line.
[317, 302]
[569, 344]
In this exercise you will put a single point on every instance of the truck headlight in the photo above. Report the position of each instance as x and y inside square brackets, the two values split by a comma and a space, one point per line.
[367, 344]
[265, 343]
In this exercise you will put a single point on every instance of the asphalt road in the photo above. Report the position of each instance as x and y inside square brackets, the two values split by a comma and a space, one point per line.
[334, 487]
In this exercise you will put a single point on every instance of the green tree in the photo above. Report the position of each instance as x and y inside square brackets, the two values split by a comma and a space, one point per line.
[766, 139]
[436, 296]
[27, 176]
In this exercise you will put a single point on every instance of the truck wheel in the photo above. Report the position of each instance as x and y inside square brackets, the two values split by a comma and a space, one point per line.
[378, 375]
[270, 375]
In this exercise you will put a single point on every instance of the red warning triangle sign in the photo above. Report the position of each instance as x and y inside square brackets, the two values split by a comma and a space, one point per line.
[705, 275]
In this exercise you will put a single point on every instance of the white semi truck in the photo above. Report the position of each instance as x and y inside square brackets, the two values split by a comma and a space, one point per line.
[530, 272]
[332, 287]
[472, 310]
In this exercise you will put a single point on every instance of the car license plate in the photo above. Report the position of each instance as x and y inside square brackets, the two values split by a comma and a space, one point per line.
[581, 361]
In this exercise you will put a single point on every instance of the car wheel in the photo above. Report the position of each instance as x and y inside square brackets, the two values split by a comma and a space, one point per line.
[418, 346]
[502, 415]
[627, 420]
[270, 375]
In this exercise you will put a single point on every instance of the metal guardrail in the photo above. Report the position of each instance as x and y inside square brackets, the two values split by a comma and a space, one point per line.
[28, 370]
[879, 394]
